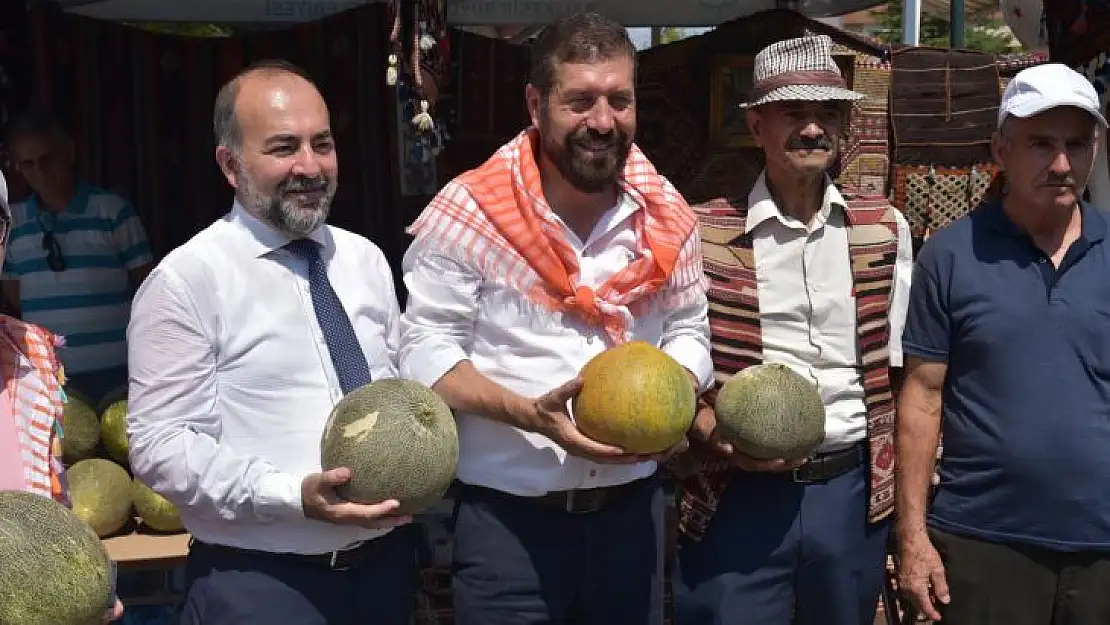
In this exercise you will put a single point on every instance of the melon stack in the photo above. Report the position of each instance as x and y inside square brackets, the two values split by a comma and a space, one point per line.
[102, 492]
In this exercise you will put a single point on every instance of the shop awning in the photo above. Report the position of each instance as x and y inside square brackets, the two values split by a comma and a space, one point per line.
[632, 13]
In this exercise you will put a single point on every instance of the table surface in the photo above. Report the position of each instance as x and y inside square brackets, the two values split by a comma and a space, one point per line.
[138, 549]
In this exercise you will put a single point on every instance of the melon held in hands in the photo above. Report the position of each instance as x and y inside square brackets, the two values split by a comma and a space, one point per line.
[636, 397]
[399, 440]
[769, 411]
[53, 568]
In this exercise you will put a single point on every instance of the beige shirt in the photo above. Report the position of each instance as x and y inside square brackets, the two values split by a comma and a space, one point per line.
[807, 307]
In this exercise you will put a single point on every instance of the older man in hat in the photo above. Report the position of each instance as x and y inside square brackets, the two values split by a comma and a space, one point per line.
[816, 279]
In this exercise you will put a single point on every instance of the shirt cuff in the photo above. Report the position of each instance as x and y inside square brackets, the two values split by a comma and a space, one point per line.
[894, 354]
[691, 353]
[428, 365]
[279, 495]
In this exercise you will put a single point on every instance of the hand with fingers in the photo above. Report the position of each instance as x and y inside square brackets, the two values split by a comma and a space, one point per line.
[554, 421]
[921, 574]
[705, 430]
[320, 501]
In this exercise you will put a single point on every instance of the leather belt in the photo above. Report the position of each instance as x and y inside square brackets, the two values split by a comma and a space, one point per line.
[578, 501]
[339, 560]
[823, 467]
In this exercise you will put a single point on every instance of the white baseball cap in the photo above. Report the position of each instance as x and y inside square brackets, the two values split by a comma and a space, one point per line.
[1041, 87]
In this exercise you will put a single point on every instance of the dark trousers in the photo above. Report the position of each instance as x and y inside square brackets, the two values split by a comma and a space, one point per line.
[228, 587]
[779, 552]
[998, 584]
[519, 563]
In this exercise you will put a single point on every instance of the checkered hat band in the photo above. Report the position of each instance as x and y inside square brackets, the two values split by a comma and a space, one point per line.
[796, 79]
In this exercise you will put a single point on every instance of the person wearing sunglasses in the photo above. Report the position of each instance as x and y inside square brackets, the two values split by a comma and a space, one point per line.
[27, 425]
[77, 253]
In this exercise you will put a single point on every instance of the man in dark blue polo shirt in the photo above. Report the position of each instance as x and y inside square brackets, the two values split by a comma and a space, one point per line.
[1007, 344]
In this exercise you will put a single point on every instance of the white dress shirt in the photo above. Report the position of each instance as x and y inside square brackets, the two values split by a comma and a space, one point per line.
[454, 313]
[231, 380]
[807, 309]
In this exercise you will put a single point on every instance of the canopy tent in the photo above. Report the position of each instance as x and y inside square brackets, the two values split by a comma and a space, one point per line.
[633, 13]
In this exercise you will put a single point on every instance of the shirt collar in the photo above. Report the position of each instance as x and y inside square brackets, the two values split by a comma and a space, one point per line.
[1094, 221]
[761, 206]
[77, 204]
[262, 238]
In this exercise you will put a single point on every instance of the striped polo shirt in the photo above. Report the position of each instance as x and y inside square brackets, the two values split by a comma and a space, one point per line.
[88, 303]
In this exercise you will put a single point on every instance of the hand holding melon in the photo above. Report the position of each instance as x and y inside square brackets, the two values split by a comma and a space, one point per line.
[636, 397]
[551, 411]
[772, 418]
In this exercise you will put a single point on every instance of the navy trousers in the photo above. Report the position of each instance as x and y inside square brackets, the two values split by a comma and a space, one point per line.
[226, 587]
[779, 553]
[519, 563]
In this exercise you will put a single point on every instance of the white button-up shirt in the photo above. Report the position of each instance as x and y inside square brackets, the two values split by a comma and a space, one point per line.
[231, 380]
[807, 309]
[454, 313]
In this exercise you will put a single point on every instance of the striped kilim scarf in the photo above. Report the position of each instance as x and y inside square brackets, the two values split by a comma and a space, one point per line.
[496, 217]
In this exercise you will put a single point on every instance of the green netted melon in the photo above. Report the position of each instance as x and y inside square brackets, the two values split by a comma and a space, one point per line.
[769, 411]
[156, 512]
[80, 430]
[113, 431]
[53, 568]
[636, 397]
[399, 440]
[100, 494]
[118, 393]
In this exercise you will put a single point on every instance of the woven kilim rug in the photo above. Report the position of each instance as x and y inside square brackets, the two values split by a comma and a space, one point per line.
[932, 198]
[865, 161]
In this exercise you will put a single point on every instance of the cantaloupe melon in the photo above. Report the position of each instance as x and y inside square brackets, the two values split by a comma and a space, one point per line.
[637, 397]
[100, 494]
[769, 411]
[113, 431]
[80, 430]
[399, 440]
[53, 568]
[155, 511]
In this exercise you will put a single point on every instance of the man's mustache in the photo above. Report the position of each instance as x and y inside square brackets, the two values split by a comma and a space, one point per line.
[1060, 182]
[810, 143]
[303, 184]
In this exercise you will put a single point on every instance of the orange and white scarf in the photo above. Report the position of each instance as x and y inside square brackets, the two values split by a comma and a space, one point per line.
[496, 218]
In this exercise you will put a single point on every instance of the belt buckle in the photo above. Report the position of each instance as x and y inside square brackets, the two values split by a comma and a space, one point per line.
[572, 501]
[335, 563]
[799, 478]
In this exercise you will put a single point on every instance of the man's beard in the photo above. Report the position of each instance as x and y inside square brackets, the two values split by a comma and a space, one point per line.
[287, 215]
[587, 170]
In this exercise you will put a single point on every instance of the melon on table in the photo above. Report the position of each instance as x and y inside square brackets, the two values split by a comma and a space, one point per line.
[156, 512]
[113, 431]
[80, 430]
[100, 493]
[53, 568]
[769, 411]
[637, 397]
[399, 440]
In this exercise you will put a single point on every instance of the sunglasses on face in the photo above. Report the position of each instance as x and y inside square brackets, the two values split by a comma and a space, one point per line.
[53, 249]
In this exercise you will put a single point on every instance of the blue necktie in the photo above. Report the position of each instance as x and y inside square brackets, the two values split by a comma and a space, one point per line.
[346, 354]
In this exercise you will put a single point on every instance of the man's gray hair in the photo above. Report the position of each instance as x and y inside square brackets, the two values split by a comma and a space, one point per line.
[225, 125]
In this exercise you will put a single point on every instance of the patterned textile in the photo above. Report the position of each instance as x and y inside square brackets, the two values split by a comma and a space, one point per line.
[34, 377]
[495, 216]
[865, 160]
[943, 106]
[347, 356]
[931, 197]
[738, 343]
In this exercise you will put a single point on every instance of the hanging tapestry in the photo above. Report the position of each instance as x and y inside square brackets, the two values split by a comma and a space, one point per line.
[943, 106]
[865, 159]
[1077, 29]
[931, 197]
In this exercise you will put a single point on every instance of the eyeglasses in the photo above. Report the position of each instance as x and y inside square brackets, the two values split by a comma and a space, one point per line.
[54, 258]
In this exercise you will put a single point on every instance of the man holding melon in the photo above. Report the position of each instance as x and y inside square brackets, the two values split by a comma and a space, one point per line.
[1008, 358]
[563, 265]
[242, 342]
[787, 521]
